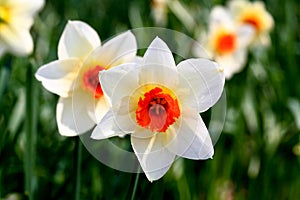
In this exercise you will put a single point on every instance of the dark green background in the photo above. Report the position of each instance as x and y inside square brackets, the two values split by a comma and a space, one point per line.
[256, 157]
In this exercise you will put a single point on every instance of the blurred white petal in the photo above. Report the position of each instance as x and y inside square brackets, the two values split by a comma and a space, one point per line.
[15, 31]
[232, 63]
[245, 35]
[25, 7]
[18, 41]
[219, 16]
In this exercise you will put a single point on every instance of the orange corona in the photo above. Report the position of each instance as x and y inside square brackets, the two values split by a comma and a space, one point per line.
[91, 82]
[157, 110]
[226, 43]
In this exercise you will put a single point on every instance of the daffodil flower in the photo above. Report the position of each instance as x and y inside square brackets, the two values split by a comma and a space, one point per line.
[158, 104]
[254, 14]
[226, 42]
[74, 76]
[16, 19]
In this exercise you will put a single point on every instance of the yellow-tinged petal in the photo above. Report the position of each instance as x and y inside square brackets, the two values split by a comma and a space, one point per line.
[18, 41]
[16, 18]
[25, 7]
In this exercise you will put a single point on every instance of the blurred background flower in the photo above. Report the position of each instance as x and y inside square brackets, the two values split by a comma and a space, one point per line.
[225, 42]
[254, 14]
[159, 11]
[16, 19]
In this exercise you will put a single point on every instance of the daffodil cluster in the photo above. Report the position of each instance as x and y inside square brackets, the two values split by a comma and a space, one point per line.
[110, 91]
[235, 28]
[151, 98]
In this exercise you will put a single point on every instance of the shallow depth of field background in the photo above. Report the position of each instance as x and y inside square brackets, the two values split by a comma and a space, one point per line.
[256, 157]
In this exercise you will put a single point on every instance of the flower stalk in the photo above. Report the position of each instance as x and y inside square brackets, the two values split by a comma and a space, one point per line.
[30, 125]
[78, 168]
[135, 183]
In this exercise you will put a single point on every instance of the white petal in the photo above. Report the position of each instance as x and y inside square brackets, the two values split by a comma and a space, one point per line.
[106, 128]
[245, 35]
[238, 5]
[158, 65]
[206, 82]
[119, 81]
[17, 40]
[98, 109]
[72, 118]
[232, 63]
[58, 76]
[158, 74]
[154, 158]
[190, 138]
[116, 51]
[159, 53]
[220, 16]
[77, 40]
[25, 7]
[124, 112]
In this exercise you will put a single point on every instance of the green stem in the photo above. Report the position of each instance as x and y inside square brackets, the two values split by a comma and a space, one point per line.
[78, 168]
[30, 124]
[135, 183]
[5, 74]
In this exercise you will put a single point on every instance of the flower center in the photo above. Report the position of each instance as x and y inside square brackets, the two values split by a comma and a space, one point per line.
[157, 110]
[4, 15]
[91, 82]
[252, 21]
[226, 43]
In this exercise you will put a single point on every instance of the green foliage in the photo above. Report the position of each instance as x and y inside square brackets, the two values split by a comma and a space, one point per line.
[256, 157]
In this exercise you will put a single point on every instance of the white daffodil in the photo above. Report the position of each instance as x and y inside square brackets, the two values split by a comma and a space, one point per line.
[254, 14]
[74, 76]
[159, 105]
[16, 19]
[226, 42]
